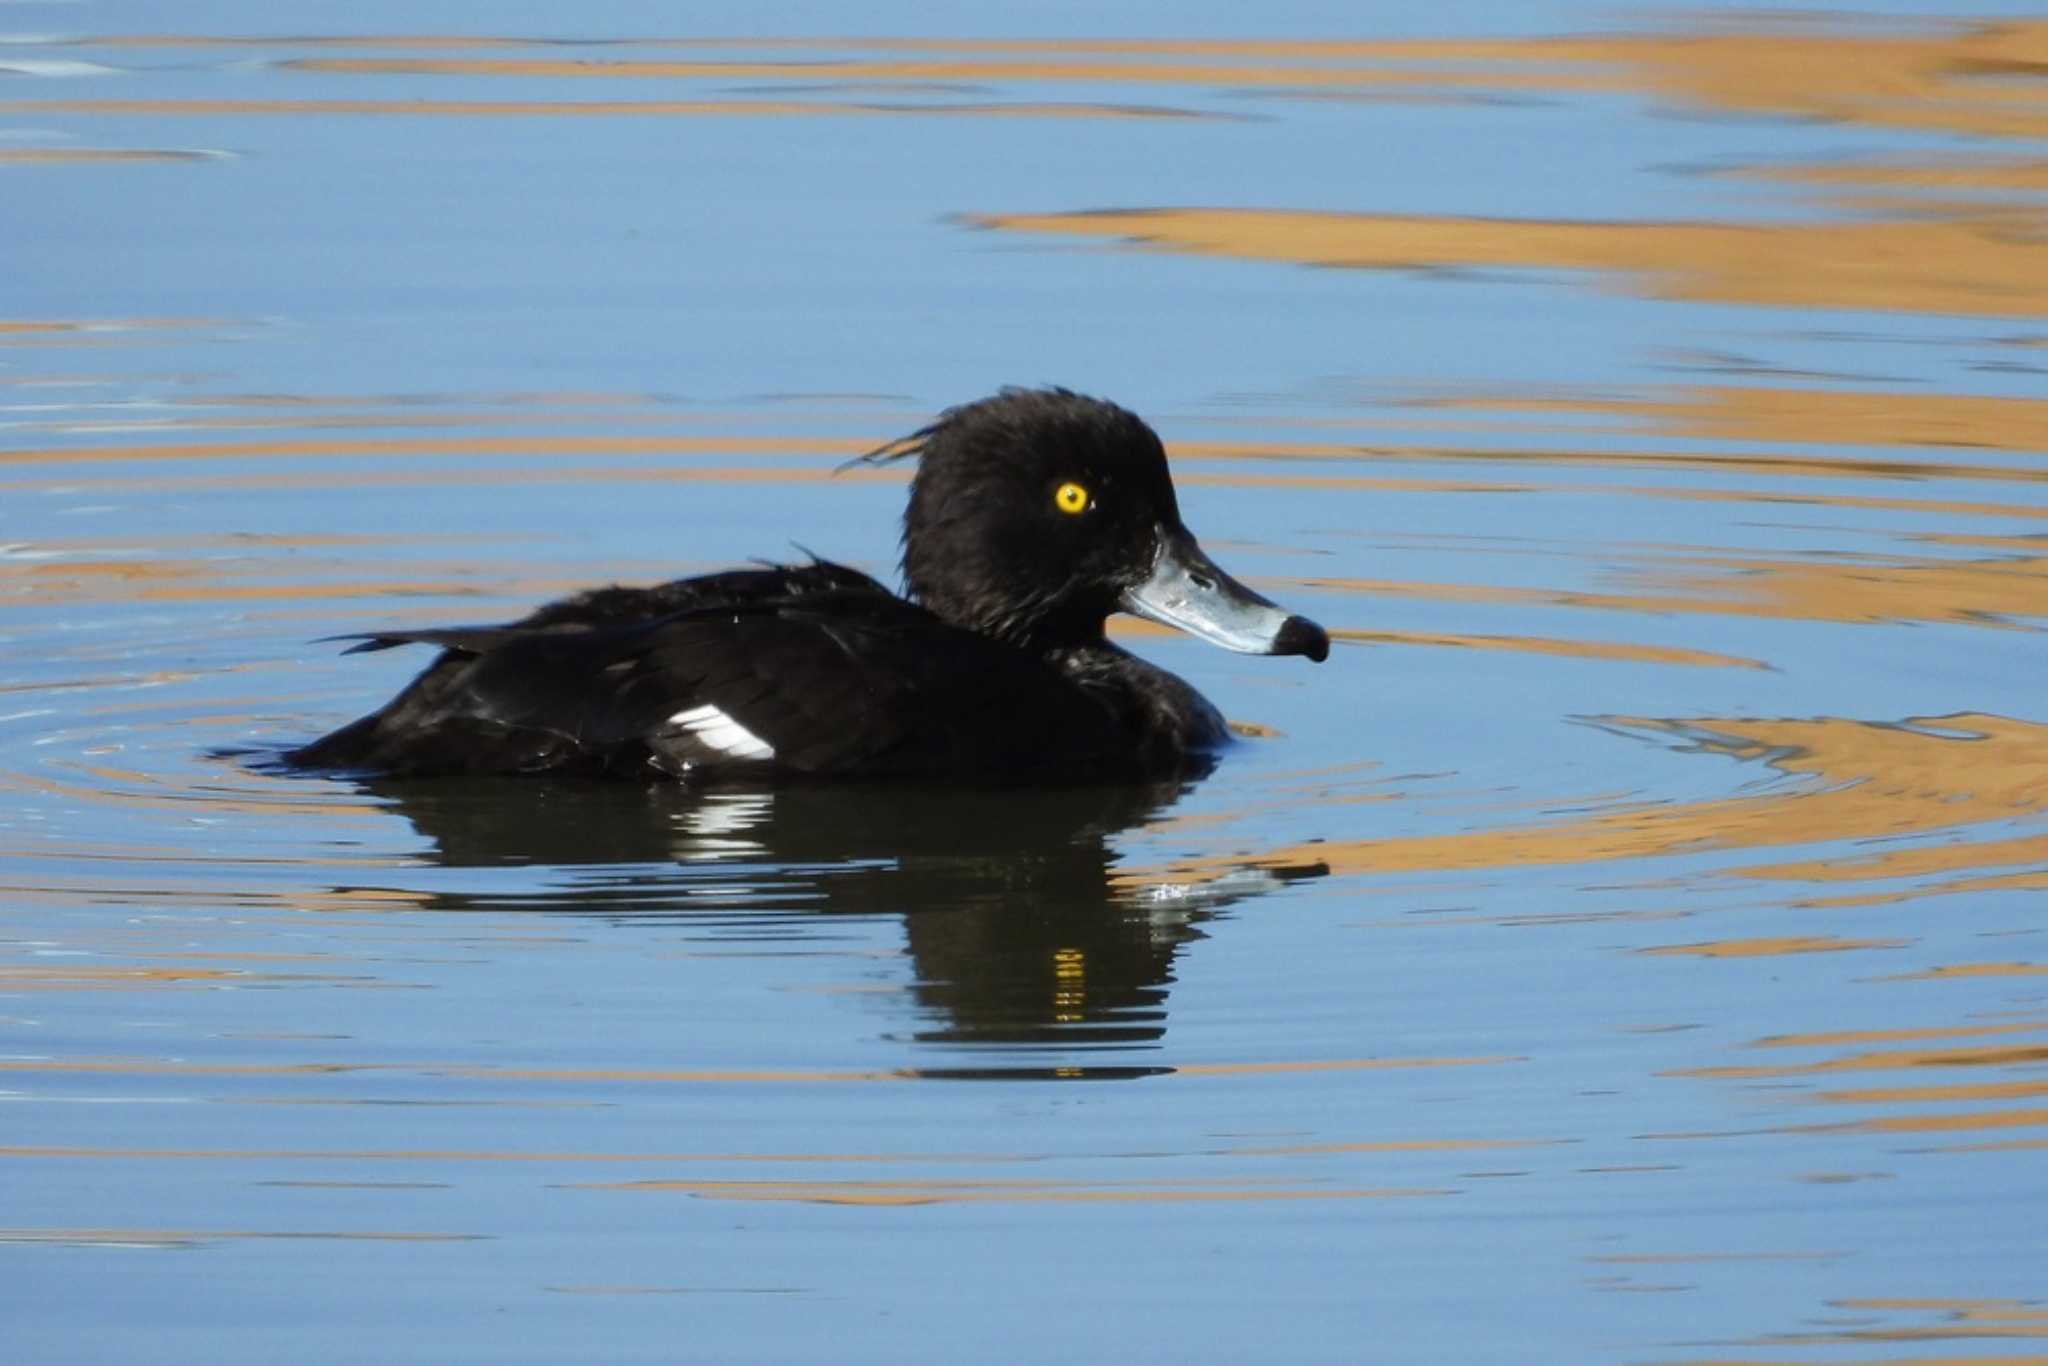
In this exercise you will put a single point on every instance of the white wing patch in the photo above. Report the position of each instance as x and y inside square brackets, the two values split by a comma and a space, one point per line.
[714, 729]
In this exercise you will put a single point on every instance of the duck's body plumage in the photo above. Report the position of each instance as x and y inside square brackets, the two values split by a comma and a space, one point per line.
[999, 669]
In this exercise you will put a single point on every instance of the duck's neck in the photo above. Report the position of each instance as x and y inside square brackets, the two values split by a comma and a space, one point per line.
[1046, 629]
[1162, 709]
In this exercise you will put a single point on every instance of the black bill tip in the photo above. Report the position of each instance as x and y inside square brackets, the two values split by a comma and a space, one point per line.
[1300, 636]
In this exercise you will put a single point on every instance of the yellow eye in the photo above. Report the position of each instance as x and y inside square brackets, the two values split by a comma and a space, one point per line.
[1070, 498]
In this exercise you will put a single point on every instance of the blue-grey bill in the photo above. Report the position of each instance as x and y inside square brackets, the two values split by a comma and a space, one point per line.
[1187, 591]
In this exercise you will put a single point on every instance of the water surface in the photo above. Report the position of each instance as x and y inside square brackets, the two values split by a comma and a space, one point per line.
[1626, 948]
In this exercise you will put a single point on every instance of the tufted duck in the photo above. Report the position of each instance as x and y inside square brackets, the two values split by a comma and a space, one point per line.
[1033, 515]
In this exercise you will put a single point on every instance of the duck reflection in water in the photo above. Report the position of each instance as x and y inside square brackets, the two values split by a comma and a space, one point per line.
[1019, 927]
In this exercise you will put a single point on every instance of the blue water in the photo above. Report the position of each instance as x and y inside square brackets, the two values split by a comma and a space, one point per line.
[1626, 948]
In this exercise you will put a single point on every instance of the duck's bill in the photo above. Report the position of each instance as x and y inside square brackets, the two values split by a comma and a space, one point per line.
[1187, 590]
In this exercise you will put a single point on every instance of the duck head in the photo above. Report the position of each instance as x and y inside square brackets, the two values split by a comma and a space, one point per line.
[1037, 513]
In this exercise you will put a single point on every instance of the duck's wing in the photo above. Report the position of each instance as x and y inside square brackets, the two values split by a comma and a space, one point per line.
[839, 678]
[869, 687]
[465, 640]
[617, 605]
[469, 711]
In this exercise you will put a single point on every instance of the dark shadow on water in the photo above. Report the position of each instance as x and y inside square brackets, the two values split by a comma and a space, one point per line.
[1018, 930]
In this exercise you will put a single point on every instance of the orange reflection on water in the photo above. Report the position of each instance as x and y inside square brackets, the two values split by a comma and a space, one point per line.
[1906, 1035]
[1895, 1095]
[1896, 1319]
[1988, 265]
[1955, 970]
[1865, 590]
[1834, 417]
[1863, 780]
[1552, 645]
[1960, 77]
[1888, 1059]
[1913, 862]
[1956, 77]
[1774, 946]
[1970, 1105]
[1965, 173]
[1928, 862]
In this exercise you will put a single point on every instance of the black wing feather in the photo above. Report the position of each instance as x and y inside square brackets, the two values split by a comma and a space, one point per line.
[875, 687]
[819, 661]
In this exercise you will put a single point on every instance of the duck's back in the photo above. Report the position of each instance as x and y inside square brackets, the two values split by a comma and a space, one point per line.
[811, 669]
